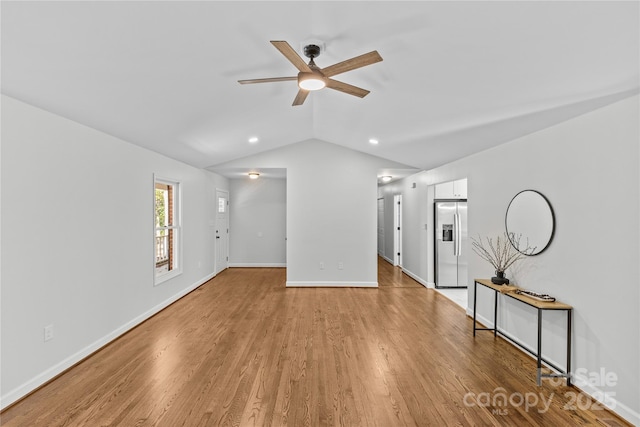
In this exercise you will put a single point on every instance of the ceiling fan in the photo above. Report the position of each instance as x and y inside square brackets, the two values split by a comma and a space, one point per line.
[311, 77]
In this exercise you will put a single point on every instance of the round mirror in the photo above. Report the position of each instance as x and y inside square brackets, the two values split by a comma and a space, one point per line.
[530, 222]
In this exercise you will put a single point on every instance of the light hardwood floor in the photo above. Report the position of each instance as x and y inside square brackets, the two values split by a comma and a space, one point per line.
[243, 350]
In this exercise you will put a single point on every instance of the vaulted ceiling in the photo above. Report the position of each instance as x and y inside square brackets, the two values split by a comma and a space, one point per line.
[456, 77]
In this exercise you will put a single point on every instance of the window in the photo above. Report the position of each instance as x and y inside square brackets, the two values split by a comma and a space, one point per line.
[167, 230]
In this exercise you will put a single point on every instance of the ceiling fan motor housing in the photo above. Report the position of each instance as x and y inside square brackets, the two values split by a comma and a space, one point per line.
[312, 51]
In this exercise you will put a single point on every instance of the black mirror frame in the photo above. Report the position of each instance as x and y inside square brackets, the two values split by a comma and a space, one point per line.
[553, 222]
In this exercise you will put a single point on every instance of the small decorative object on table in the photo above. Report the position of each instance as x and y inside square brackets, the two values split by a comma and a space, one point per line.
[500, 255]
[535, 295]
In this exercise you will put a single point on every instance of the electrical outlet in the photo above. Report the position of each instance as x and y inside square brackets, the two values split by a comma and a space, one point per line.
[322, 266]
[340, 265]
[48, 333]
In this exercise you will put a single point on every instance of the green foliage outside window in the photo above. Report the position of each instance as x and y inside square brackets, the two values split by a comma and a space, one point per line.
[160, 210]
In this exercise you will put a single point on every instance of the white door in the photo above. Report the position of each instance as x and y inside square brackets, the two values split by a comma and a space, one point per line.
[381, 227]
[222, 230]
[397, 230]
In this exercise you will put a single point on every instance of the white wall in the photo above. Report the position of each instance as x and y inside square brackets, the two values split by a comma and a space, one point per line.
[588, 168]
[331, 211]
[257, 222]
[77, 241]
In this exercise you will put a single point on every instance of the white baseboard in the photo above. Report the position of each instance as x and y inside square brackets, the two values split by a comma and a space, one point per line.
[579, 382]
[29, 386]
[291, 284]
[416, 278]
[389, 260]
[257, 264]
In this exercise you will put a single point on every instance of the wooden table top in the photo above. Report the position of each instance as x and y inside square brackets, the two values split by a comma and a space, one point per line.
[510, 290]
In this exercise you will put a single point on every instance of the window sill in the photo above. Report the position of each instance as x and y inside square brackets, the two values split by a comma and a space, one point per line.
[161, 278]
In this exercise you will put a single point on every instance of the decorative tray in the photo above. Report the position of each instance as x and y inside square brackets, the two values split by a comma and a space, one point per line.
[536, 296]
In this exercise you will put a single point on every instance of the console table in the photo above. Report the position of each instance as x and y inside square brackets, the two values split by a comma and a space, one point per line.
[540, 306]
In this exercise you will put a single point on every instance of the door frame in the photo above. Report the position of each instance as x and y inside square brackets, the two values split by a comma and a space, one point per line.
[381, 231]
[397, 230]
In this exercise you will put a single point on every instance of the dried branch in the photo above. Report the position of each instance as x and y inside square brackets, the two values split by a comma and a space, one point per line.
[503, 253]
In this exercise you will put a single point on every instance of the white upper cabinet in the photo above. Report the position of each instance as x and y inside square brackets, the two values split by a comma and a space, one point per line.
[452, 189]
[460, 189]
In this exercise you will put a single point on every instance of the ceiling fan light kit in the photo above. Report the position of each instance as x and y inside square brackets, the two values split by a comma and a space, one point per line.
[311, 77]
[311, 81]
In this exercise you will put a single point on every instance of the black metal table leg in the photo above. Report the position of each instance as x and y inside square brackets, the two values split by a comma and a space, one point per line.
[539, 355]
[495, 313]
[569, 347]
[475, 296]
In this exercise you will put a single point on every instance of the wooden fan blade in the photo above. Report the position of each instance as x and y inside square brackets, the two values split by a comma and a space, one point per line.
[347, 88]
[300, 97]
[352, 64]
[269, 80]
[286, 49]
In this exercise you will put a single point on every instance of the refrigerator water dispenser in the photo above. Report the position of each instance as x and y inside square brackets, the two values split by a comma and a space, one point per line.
[447, 232]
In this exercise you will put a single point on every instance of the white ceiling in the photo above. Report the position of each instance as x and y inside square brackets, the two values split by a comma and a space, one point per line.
[457, 77]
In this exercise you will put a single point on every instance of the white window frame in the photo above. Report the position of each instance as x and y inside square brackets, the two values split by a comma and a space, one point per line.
[160, 277]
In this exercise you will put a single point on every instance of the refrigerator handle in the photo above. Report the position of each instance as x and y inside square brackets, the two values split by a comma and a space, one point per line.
[459, 234]
[455, 235]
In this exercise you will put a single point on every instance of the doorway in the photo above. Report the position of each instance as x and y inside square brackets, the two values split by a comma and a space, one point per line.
[222, 230]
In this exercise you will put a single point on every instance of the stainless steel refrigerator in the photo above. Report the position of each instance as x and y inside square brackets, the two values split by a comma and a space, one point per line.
[451, 244]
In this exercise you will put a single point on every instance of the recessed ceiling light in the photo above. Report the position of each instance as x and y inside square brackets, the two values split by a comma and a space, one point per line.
[253, 139]
[253, 175]
[386, 178]
[373, 141]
